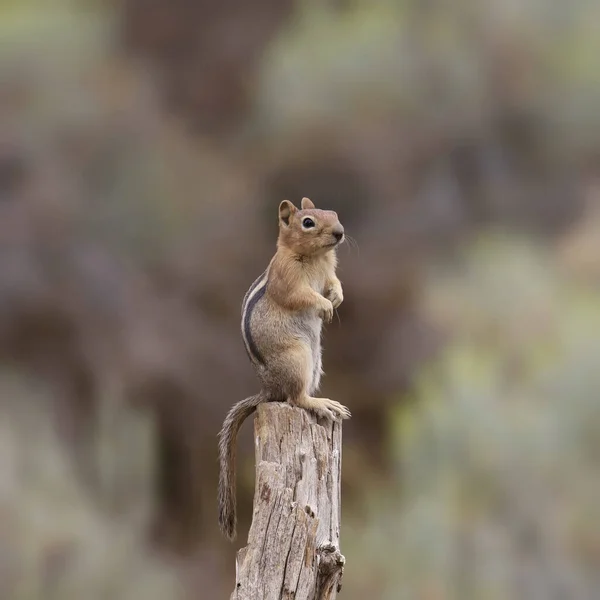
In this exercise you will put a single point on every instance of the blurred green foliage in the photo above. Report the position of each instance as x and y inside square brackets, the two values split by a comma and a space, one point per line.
[439, 65]
[59, 542]
[497, 451]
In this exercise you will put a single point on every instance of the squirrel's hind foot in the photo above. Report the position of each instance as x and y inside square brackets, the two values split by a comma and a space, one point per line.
[324, 407]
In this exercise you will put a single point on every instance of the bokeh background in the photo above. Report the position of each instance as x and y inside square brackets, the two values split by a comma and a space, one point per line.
[144, 148]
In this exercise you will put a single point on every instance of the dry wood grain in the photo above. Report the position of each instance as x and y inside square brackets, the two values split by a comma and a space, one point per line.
[293, 543]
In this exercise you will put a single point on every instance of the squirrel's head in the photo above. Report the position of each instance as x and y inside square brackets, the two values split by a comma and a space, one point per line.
[308, 230]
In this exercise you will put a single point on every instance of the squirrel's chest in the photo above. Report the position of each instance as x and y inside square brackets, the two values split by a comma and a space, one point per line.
[316, 281]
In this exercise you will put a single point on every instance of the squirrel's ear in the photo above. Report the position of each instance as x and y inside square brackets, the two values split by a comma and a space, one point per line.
[307, 203]
[286, 210]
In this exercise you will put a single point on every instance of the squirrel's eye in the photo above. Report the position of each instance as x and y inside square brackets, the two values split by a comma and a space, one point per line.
[307, 223]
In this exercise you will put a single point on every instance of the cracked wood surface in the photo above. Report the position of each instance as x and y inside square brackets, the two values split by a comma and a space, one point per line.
[293, 543]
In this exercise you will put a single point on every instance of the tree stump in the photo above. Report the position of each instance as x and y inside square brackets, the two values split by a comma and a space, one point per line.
[293, 543]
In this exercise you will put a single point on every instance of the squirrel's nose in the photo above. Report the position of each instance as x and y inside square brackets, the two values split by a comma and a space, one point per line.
[338, 233]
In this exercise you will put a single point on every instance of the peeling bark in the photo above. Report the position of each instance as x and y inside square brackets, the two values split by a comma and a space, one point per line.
[293, 543]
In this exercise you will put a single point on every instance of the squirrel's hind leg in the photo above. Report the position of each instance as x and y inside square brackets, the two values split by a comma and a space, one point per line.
[295, 373]
[324, 407]
[292, 374]
[317, 372]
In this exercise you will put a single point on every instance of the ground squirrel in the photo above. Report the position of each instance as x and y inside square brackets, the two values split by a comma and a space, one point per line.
[282, 316]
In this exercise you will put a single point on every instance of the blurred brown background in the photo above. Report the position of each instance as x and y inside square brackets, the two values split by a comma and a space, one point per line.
[144, 148]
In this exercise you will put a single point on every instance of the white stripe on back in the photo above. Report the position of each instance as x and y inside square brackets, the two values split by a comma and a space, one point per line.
[247, 298]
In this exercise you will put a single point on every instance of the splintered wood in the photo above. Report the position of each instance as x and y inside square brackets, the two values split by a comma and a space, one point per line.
[293, 543]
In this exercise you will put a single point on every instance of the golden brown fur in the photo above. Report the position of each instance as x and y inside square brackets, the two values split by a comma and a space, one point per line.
[282, 316]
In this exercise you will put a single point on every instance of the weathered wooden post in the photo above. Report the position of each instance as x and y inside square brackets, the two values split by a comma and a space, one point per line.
[293, 543]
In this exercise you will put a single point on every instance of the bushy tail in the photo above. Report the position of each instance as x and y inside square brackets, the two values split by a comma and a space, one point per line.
[227, 446]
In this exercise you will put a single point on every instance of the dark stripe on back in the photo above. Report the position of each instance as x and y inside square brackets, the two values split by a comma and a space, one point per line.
[252, 288]
[247, 317]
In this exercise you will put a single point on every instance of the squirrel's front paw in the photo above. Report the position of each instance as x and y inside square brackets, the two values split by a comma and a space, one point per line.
[336, 295]
[326, 310]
